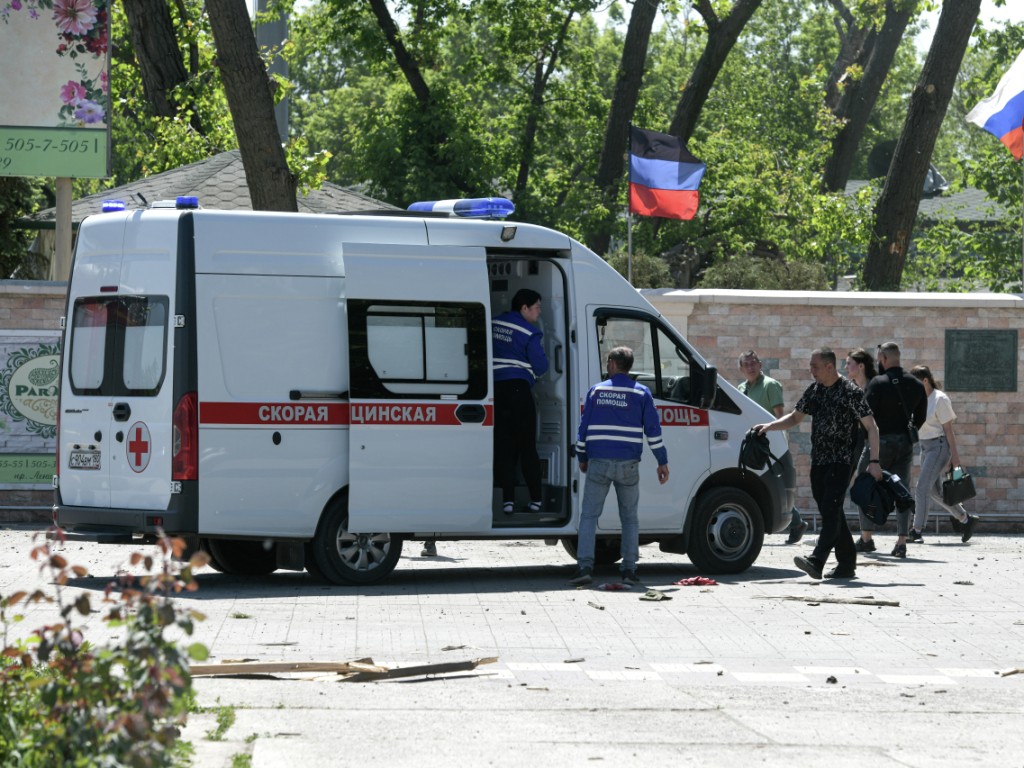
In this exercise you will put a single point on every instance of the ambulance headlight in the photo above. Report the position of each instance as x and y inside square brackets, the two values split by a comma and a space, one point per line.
[186, 201]
[469, 208]
[112, 206]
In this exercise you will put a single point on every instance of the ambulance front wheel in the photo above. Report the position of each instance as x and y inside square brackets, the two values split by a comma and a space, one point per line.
[727, 532]
[352, 558]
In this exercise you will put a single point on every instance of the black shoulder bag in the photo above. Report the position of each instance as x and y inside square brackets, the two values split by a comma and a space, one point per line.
[911, 429]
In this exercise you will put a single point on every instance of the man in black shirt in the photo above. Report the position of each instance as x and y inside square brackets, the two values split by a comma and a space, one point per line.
[896, 399]
[837, 406]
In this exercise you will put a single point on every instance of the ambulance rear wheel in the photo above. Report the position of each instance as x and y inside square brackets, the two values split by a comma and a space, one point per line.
[606, 551]
[353, 558]
[727, 531]
[243, 558]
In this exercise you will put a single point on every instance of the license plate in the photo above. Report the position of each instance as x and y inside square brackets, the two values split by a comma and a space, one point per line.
[84, 460]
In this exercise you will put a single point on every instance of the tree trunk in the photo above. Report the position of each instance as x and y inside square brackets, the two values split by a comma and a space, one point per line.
[405, 60]
[857, 101]
[620, 113]
[722, 36]
[249, 91]
[896, 208]
[542, 71]
[156, 48]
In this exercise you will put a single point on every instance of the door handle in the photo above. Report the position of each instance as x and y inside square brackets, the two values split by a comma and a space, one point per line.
[558, 358]
[470, 414]
[122, 412]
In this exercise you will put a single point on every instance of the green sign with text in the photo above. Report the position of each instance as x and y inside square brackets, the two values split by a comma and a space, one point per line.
[29, 468]
[71, 152]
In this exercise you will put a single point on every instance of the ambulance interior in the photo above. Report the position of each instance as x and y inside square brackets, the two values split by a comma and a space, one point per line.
[508, 274]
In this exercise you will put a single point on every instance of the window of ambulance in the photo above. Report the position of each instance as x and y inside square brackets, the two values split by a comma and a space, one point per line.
[118, 345]
[405, 349]
[658, 362]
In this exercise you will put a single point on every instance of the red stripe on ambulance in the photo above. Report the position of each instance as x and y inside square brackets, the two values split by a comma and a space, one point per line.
[334, 414]
[682, 416]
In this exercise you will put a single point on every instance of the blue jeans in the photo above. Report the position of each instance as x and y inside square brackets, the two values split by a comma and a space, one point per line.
[934, 459]
[601, 474]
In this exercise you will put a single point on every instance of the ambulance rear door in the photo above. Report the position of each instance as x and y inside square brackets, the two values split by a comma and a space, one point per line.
[421, 413]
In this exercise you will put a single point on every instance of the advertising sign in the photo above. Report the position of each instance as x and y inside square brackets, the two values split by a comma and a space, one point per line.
[29, 384]
[55, 88]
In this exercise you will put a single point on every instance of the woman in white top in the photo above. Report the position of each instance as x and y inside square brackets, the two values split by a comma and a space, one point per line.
[938, 452]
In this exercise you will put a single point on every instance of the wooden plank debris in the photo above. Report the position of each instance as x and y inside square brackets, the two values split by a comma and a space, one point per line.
[843, 600]
[360, 670]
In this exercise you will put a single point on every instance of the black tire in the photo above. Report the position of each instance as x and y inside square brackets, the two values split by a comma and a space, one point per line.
[312, 568]
[727, 531]
[242, 558]
[352, 558]
[606, 551]
[204, 544]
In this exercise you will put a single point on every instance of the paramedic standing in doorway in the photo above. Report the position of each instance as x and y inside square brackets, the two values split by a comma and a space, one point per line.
[617, 414]
[519, 360]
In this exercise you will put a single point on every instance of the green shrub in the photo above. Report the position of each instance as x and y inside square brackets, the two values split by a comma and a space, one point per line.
[64, 702]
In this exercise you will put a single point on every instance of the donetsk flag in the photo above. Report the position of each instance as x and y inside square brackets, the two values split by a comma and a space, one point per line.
[663, 176]
[1002, 113]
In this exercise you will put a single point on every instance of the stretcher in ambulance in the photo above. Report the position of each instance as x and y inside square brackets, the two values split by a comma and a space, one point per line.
[302, 391]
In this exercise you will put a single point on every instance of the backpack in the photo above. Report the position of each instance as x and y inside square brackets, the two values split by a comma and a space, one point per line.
[878, 498]
[756, 452]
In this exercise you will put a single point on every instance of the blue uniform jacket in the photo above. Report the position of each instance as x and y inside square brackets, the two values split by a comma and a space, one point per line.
[518, 352]
[616, 416]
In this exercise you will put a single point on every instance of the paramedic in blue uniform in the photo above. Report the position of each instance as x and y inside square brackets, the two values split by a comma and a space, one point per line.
[617, 415]
[519, 360]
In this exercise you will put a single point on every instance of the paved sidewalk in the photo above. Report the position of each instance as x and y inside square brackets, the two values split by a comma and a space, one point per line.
[717, 676]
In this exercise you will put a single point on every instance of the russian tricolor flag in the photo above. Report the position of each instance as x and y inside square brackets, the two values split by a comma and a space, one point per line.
[1002, 113]
[663, 176]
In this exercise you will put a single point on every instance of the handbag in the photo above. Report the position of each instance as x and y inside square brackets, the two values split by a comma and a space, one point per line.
[911, 429]
[958, 489]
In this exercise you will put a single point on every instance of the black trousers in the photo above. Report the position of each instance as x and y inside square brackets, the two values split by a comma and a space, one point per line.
[828, 486]
[515, 438]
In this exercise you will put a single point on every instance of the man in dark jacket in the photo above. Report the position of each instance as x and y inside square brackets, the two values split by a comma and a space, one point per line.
[896, 399]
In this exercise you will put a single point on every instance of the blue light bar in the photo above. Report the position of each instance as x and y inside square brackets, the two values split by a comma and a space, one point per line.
[112, 206]
[469, 208]
[186, 201]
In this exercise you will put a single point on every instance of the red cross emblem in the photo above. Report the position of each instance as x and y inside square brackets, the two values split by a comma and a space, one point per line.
[139, 447]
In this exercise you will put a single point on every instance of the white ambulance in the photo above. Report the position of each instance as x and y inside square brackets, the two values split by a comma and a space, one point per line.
[304, 391]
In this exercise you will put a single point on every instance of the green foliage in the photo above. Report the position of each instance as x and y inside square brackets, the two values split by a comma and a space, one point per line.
[648, 271]
[19, 197]
[67, 703]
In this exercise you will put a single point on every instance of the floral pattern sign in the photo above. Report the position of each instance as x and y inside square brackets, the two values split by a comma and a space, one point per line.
[55, 59]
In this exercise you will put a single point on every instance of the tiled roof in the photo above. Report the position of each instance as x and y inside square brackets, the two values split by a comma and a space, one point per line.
[967, 205]
[218, 182]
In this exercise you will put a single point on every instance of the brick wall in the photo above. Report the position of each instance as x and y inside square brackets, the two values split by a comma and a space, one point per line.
[784, 327]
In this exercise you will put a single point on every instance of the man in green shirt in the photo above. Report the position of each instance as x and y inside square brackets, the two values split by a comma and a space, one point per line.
[767, 392]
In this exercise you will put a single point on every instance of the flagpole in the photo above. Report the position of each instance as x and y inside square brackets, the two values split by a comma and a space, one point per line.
[629, 246]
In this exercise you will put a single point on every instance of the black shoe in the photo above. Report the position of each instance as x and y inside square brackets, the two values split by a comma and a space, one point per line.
[429, 549]
[900, 550]
[796, 532]
[866, 546]
[582, 577]
[956, 525]
[842, 572]
[808, 565]
[915, 537]
[972, 520]
[630, 578]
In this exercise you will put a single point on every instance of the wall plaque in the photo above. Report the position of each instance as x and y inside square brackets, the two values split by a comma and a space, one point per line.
[981, 361]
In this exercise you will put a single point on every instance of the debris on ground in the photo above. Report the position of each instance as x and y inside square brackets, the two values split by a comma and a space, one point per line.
[842, 600]
[592, 604]
[613, 586]
[653, 594]
[361, 670]
[697, 581]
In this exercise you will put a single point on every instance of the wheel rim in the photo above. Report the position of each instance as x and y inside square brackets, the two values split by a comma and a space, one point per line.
[362, 551]
[729, 533]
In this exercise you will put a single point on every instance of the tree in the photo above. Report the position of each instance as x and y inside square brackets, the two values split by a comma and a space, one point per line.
[852, 102]
[620, 113]
[896, 208]
[272, 185]
[722, 36]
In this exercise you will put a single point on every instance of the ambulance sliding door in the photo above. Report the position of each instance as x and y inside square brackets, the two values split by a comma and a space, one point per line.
[421, 426]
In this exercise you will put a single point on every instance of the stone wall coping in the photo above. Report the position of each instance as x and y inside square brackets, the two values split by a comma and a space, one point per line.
[840, 298]
[33, 287]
